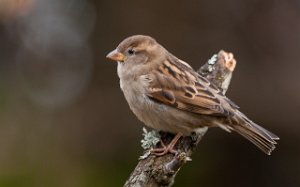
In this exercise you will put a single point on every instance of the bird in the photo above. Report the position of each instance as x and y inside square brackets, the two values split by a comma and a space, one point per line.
[167, 94]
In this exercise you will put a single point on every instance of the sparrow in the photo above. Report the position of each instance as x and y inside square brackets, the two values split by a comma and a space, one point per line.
[167, 94]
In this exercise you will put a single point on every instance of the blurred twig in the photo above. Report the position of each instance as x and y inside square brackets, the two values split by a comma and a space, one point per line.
[154, 171]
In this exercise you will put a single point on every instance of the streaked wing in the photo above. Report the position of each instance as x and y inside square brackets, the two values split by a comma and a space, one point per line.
[178, 85]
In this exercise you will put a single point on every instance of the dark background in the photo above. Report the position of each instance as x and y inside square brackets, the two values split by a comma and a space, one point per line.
[65, 122]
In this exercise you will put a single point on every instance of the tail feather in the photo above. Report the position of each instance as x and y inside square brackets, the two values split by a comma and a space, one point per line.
[259, 136]
[266, 144]
[269, 133]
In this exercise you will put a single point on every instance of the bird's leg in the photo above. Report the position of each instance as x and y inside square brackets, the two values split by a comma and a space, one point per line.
[166, 149]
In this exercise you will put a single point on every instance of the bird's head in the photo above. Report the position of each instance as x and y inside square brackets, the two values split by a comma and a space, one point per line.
[137, 49]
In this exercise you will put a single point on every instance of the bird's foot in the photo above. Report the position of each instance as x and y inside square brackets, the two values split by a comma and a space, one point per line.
[166, 149]
[163, 150]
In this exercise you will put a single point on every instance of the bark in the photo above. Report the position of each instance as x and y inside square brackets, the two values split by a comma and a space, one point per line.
[153, 171]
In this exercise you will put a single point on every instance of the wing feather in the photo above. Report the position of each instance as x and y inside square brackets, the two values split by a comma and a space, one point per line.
[177, 85]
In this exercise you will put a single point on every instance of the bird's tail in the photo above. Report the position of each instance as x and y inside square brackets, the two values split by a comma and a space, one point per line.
[259, 136]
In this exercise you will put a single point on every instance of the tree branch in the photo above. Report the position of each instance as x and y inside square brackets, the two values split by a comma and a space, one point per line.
[153, 171]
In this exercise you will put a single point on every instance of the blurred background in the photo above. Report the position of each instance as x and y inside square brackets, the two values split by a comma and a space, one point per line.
[64, 120]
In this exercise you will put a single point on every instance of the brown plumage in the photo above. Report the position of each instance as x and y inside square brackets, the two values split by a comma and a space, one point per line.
[167, 94]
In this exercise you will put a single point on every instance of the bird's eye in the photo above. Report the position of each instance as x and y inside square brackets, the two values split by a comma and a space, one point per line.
[131, 51]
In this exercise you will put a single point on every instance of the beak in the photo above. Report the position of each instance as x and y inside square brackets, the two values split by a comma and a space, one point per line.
[116, 56]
